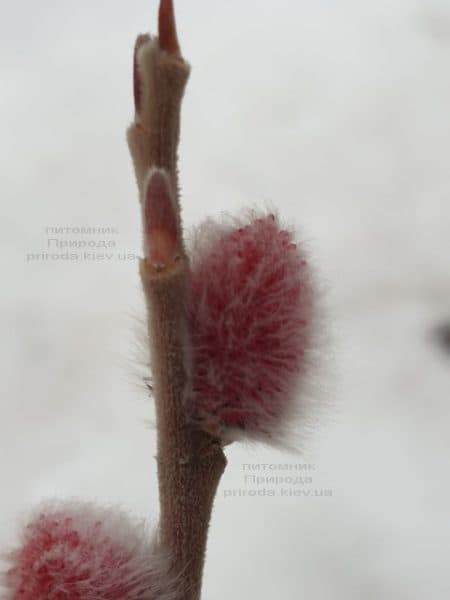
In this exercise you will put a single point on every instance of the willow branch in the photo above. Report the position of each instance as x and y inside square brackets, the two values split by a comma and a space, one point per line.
[190, 462]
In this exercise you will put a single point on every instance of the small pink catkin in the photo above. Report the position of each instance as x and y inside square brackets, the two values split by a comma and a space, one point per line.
[77, 551]
[251, 317]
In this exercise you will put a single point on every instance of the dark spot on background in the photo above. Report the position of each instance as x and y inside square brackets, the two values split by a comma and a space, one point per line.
[441, 336]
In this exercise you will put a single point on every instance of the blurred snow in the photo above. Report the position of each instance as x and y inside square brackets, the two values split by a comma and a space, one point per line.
[338, 114]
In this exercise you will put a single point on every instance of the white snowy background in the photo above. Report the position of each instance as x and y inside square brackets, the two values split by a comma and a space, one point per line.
[337, 112]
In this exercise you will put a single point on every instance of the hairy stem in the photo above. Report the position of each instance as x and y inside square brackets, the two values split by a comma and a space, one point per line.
[190, 462]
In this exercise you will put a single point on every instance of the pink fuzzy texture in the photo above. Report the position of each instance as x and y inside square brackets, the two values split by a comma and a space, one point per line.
[76, 551]
[251, 315]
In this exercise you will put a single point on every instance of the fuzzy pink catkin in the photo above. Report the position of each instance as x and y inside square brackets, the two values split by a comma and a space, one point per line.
[77, 551]
[251, 316]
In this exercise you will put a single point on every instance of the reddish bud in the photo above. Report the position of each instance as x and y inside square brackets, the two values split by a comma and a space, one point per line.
[168, 38]
[161, 228]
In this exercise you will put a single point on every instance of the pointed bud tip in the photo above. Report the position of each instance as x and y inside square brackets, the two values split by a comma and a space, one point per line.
[168, 39]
